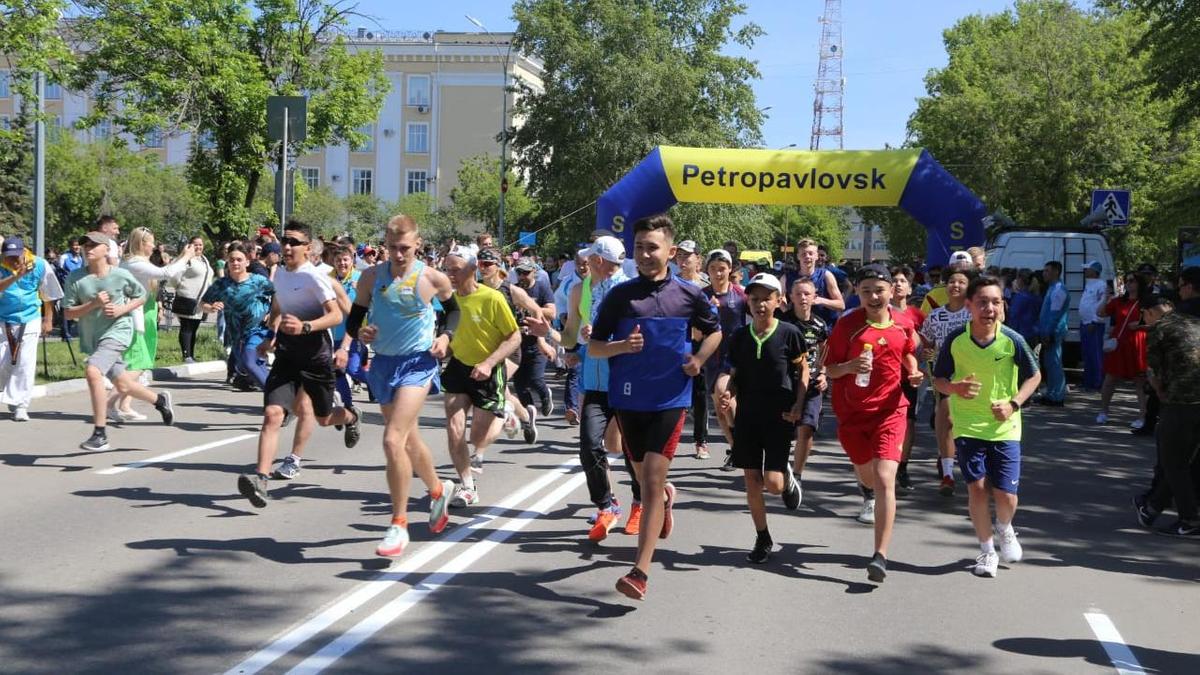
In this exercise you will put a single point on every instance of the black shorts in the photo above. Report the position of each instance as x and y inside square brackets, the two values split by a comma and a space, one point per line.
[762, 439]
[484, 394]
[814, 402]
[650, 431]
[910, 393]
[302, 362]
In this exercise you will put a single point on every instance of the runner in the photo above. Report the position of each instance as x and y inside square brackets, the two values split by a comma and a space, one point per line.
[245, 299]
[816, 334]
[28, 291]
[987, 372]
[687, 263]
[872, 410]
[570, 345]
[530, 378]
[910, 315]
[645, 325]
[475, 375]
[730, 301]
[350, 355]
[101, 297]
[768, 368]
[941, 322]
[516, 416]
[303, 310]
[399, 293]
[828, 302]
[937, 295]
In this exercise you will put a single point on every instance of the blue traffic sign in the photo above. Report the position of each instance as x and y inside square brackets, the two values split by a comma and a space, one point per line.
[1114, 204]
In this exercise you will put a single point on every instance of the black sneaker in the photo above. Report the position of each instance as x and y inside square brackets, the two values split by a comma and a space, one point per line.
[1182, 529]
[877, 568]
[97, 441]
[728, 465]
[529, 429]
[253, 487]
[903, 481]
[164, 408]
[1145, 514]
[791, 493]
[761, 551]
[353, 433]
[547, 405]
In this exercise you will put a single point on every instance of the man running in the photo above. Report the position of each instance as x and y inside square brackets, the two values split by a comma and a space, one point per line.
[987, 372]
[941, 322]
[399, 295]
[869, 354]
[911, 317]
[530, 378]
[645, 324]
[828, 303]
[475, 376]
[28, 291]
[301, 380]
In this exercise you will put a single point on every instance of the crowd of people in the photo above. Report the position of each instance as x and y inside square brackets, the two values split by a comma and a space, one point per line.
[644, 340]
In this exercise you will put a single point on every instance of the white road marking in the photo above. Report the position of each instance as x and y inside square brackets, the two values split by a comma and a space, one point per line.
[1114, 645]
[173, 455]
[392, 610]
[358, 597]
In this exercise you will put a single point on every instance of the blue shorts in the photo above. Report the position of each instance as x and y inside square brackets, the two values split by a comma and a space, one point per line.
[388, 373]
[998, 461]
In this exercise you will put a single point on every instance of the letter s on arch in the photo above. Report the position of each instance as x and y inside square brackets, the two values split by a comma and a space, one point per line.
[956, 230]
[618, 224]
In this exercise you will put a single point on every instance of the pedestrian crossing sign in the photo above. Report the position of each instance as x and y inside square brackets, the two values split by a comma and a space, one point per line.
[1114, 204]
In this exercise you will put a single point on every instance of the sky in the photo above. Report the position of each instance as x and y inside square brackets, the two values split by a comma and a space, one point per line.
[889, 46]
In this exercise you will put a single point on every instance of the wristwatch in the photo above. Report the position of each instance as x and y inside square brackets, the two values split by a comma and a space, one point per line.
[1015, 406]
[305, 328]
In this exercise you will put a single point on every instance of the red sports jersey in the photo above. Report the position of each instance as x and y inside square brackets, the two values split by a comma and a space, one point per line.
[891, 342]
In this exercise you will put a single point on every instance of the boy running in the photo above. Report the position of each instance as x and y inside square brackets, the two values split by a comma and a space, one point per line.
[909, 314]
[768, 372]
[872, 418]
[987, 371]
[938, 326]
[815, 331]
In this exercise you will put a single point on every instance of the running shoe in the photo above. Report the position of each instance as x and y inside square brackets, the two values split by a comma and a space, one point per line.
[132, 416]
[353, 431]
[633, 585]
[616, 506]
[439, 514]
[529, 428]
[548, 404]
[634, 525]
[1010, 548]
[1137, 424]
[762, 549]
[791, 492]
[606, 520]
[1182, 529]
[463, 497]
[867, 514]
[903, 481]
[728, 465]
[476, 463]
[288, 469]
[511, 422]
[21, 414]
[572, 417]
[1145, 514]
[987, 564]
[393, 542]
[701, 451]
[165, 408]
[253, 487]
[946, 489]
[1102, 418]
[668, 517]
[877, 568]
[97, 441]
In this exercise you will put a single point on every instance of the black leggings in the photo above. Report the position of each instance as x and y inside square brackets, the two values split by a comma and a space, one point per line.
[187, 336]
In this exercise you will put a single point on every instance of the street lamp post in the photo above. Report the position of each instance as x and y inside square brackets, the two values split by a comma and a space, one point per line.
[503, 130]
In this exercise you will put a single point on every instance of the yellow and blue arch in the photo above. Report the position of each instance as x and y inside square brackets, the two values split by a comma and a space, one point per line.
[911, 179]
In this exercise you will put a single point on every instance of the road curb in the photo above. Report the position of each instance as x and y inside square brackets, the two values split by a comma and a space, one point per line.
[167, 373]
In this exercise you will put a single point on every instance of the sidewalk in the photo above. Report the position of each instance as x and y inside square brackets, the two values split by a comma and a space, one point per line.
[167, 373]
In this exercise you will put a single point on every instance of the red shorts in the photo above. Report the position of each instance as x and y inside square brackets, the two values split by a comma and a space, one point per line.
[879, 437]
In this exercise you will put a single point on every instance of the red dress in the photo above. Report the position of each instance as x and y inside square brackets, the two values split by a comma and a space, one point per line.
[1128, 360]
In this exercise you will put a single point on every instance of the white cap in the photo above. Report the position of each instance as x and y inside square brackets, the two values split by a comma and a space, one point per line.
[766, 280]
[959, 257]
[687, 245]
[1093, 265]
[464, 252]
[718, 254]
[608, 248]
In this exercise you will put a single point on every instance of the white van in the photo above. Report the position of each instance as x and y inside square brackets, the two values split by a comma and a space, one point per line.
[1032, 249]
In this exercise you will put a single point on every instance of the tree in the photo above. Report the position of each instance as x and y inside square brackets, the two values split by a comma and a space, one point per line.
[320, 208]
[477, 196]
[621, 77]
[1172, 42]
[905, 237]
[208, 68]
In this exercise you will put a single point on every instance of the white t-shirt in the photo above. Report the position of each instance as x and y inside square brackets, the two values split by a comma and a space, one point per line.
[941, 322]
[304, 292]
[1091, 301]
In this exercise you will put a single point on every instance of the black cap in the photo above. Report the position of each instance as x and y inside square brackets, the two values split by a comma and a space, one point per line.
[1147, 268]
[873, 271]
[1154, 301]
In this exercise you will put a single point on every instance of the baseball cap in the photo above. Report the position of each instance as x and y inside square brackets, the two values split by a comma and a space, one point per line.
[271, 247]
[608, 248]
[778, 266]
[526, 264]
[367, 250]
[718, 254]
[687, 245]
[960, 257]
[765, 280]
[1093, 265]
[1147, 268]
[14, 246]
[463, 252]
[264, 231]
[95, 238]
[488, 255]
[873, 271]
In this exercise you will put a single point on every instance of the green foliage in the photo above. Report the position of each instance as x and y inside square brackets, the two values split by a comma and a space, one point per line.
[1172, 42]
[824, 225]
[322, 209]
[477, 196]
[16, 167]
[438, 225]
[621, 77]
[31, 42]
[905, 237]
[209, 67]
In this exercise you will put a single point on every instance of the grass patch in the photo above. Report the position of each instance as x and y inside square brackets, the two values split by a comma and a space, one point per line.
[208, 348]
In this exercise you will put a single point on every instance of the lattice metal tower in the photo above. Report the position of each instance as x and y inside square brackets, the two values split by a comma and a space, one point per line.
[830, 86]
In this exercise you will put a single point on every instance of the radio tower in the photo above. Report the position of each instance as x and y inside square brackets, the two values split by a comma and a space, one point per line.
[830, 86]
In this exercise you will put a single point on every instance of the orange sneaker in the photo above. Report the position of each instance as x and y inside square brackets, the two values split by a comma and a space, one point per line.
[634, 524]
[606, 520]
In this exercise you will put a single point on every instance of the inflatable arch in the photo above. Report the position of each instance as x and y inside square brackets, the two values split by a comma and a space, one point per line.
[910, 179]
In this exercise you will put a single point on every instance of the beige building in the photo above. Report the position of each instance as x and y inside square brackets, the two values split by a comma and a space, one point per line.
[865, 243]
[445, 105]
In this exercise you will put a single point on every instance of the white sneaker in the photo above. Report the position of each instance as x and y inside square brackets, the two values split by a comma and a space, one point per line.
[1010, 548]
[512, 423]
[987, 564]
[477, 463]
[21, 414]
[464, 497]
[1137, 424]
[132, 416]
[1102, 418]
[867, 515]
[393, 542]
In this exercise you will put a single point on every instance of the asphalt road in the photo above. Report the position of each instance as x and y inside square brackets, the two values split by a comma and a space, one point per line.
[128, 561]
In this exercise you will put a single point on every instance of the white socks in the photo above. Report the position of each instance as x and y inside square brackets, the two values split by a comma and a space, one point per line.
[987, 546]
[948, 466]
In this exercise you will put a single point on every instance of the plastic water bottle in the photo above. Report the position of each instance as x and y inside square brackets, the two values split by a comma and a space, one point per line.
[864, 379]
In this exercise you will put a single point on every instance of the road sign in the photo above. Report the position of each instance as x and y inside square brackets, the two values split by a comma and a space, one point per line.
[295, 108]
[1114, 204]
[527, 239]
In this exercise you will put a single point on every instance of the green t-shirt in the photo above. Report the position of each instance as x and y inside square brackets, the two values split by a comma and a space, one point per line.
[82, 287]
[1000, 367]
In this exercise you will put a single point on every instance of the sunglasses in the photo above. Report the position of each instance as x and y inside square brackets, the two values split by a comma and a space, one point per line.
[524, 272]
[486, 263]
[292, 241]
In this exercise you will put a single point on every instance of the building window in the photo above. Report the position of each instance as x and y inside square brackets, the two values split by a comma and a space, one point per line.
[102, 131]
[311, 176]
[5, 122]
[417, 182]
[369, 145]
[4, 77]
[154, 138]
[418, 137]
[53, 91]
[54, 128]
[418, 90]
[879, 245]
[360, 182]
